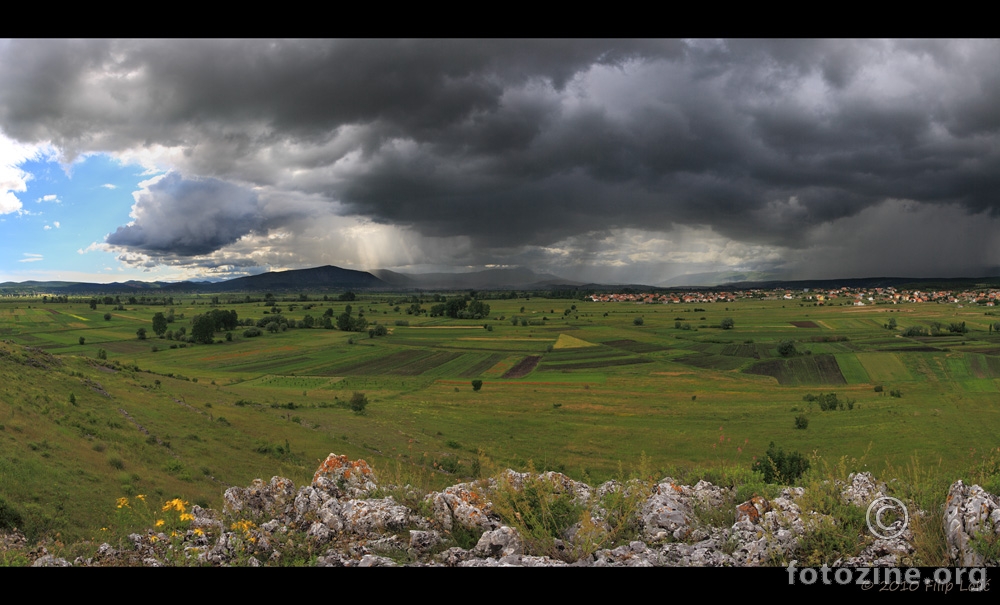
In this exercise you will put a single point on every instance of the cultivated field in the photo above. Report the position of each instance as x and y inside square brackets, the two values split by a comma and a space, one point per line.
[582, 390]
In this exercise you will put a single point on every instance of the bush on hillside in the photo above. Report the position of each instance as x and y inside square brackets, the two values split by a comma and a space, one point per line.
[358, 402]
[778, 467]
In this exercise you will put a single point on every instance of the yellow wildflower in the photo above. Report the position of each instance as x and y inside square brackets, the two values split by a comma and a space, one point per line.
[142, 497]
[104, 529]
[198, 531]
[244, 526]
[173, 534]
[159, 522]
[176, 504]
[187, 517]
[122, 502]
[152, 539]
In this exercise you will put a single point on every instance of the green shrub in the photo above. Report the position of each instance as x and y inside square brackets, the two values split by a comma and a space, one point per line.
[449, 464]
[173, 466]
[358, 402]
[10, 518]
[477, 384]
[801, 422]
[778, 467]
[539, 509]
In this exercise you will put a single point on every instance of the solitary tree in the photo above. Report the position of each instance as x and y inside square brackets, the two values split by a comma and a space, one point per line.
[160, 324]
[82, 340]
[107, 317]
[786, 348]
[359, 402]
[727, 323]
[141, 333]
[477, 384]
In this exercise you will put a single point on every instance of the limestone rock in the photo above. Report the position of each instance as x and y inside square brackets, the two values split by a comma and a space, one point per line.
[464, 505]
[354, 478]
[970, 512]
[261, 500]
[501, 542]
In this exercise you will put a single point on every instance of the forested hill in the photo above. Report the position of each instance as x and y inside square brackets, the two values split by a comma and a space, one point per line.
[327, 277]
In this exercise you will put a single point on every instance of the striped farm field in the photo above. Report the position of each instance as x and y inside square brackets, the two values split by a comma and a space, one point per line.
[523, 367]
[742, 350]
[501, 367]
[884, 367]
[805, 370]
[852, 369]
[281, 365]
[589, 365]
[272, 381]
[375, 362]
[423, 364]
[712, 362]
[634, 346]
[480, 366]
[583, 354]
[983, 366]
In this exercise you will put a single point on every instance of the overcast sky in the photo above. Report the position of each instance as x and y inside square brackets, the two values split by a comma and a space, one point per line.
[629, 161]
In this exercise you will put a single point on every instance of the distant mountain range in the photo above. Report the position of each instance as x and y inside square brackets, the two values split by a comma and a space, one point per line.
[717, 278]
[317, 278]
[332, 278]
[520, 278]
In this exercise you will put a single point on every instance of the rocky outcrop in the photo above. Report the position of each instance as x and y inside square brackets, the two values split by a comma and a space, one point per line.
[971, 514]
[345, 519]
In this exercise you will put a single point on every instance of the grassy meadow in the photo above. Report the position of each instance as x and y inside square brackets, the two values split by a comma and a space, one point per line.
[568, 385]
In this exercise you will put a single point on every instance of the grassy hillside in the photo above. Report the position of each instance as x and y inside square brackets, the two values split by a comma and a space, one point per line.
[584, 390]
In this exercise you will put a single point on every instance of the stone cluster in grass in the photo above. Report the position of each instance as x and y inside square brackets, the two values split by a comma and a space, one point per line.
[344, 518]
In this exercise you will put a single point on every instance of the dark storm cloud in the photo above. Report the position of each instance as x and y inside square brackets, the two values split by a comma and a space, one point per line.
[189, 217]
[527, 143]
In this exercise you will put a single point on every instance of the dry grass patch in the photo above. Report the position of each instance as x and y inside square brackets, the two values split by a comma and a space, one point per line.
[566, 341]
